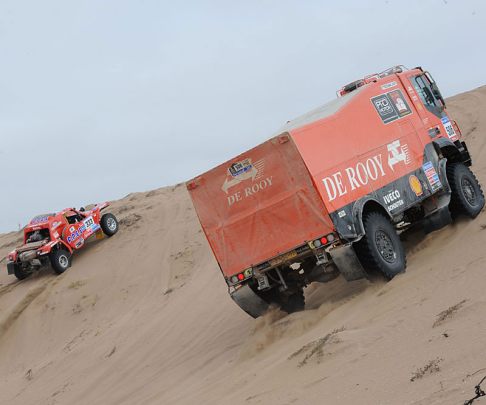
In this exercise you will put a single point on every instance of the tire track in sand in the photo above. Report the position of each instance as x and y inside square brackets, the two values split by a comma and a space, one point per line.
[20, 307]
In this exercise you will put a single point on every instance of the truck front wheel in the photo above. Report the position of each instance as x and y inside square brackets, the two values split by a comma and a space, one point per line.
[467, 198]
[60, 260]
[380, 249]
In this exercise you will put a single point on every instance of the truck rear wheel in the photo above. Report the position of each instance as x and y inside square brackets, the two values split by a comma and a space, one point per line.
[109, 224]
[293, 303]
[467, 198]
[380, 250]
[60, 260]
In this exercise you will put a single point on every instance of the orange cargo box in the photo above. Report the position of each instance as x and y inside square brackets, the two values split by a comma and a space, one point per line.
[259, 205]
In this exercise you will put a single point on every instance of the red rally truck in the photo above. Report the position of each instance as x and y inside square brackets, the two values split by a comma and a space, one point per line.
[329, 193]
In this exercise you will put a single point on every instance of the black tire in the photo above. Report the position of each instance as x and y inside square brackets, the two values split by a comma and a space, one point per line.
[109, 224]
[380, 251]
[60, 260]
[293, 303]
[467, 197]
[20, 273]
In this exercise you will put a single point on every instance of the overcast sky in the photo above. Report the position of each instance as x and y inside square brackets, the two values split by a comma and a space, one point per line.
[102, 98]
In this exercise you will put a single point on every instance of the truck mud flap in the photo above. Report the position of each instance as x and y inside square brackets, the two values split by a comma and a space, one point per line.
[442, 217]
[437, 220]
[347, 262]
[249, 302]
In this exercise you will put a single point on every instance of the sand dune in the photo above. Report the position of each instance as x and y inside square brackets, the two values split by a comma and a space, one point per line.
[144, 318]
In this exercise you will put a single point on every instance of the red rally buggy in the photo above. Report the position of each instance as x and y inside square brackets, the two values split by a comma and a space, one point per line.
[53, 238]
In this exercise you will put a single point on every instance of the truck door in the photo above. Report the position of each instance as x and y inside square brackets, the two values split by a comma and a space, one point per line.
[433, 115]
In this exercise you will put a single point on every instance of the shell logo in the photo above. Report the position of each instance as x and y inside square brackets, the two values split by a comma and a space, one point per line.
[415, 185]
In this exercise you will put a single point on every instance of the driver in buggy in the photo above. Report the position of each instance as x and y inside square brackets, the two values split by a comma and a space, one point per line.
[74, 216]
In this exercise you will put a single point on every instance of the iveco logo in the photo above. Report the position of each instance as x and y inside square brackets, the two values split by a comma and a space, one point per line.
[391, 197]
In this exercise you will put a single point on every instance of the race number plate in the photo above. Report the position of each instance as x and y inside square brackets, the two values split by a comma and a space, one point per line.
[448, 127]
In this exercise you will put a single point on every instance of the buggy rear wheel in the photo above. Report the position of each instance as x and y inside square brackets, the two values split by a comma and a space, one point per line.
[20, 273]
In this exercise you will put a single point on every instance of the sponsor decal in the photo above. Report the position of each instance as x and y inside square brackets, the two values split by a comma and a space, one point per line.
[89, 223]
[432, 176]
[250, 190]
[91, 226]
[449, 129]
[365, 171]
[249, 172]
[241, 171]
[391, 106]
[76, 234]
[341, 214]
[71, 229]
[398, 100]
[415, 185]
[55, 224]
[238, 168]
[40, 218]
[393, 200]
[388, 85]
[397, 153]
[412, 95]
[354, 177]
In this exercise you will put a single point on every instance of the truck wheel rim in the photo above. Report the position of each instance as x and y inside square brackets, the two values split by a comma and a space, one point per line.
[111, 223]
[385, 247]
[469, 192]
[63, 261]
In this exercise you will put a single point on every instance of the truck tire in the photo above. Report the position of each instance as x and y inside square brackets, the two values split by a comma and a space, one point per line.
[380, 250]
[109, 224]
[290, 303]
[20, 273]
[60, 260]
[293, 303]
[467, 198]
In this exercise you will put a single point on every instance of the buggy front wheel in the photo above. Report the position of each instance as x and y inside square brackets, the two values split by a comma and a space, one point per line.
[60, 260]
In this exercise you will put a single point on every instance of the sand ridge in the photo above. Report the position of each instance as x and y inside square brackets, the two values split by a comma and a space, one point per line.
[145, 318]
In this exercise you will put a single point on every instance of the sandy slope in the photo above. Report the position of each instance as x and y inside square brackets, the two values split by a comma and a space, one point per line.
[144, 318]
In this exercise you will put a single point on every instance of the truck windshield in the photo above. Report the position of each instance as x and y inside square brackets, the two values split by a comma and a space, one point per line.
[424, 90]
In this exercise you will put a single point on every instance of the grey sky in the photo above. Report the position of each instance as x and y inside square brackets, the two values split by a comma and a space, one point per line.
[102, 98]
